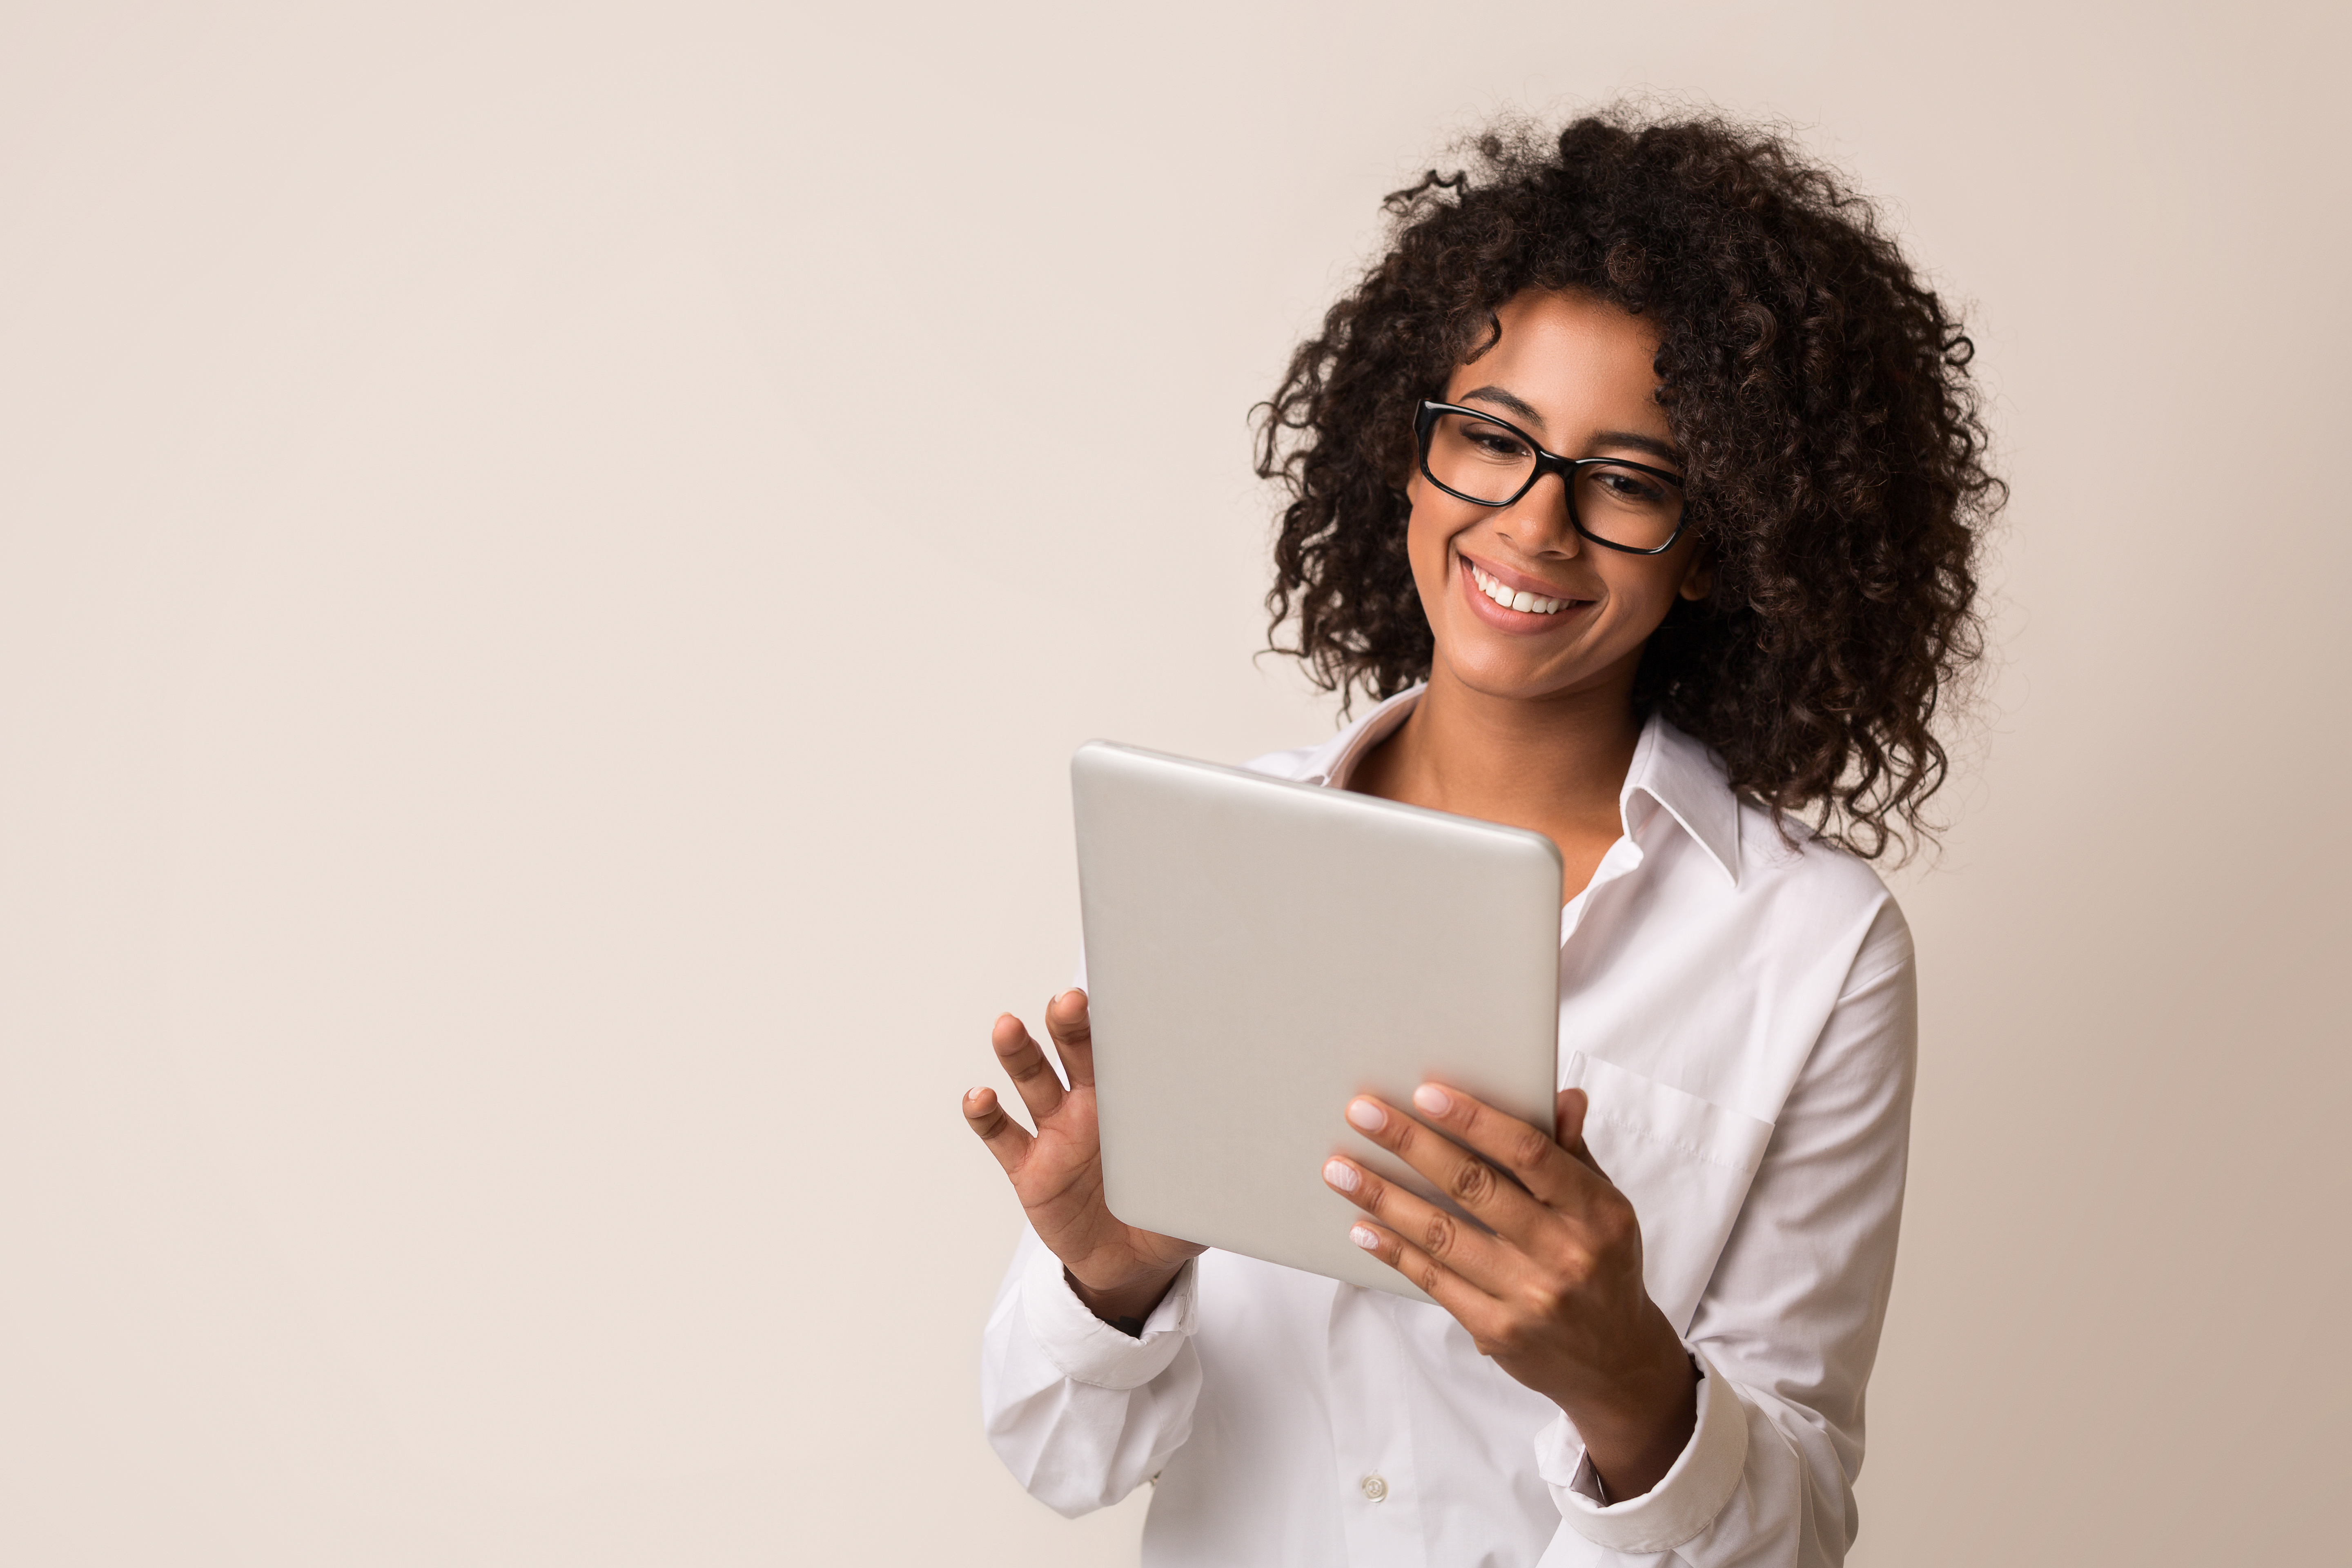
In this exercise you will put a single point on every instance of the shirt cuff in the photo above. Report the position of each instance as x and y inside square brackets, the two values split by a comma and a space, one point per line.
[1685, 1500]
[1083, 1348]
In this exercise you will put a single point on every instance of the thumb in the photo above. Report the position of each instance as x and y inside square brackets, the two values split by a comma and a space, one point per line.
[1569, 1107]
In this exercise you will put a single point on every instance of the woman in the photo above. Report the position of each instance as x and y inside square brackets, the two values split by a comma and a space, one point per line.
[1642, 482]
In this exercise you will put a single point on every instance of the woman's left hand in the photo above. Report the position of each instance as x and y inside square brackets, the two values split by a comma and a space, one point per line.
[1552, 1288]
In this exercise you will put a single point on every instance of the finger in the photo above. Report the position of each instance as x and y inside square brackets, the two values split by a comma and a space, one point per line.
[1006, 1138]
[1069, 1020]
[1019, 1055]
[1570, 1108]
[1471, 1307]
[1557, 1178]
[1461, 1176]
[1484, 1260]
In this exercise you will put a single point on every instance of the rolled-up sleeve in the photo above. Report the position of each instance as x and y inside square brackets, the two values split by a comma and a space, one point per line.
[1080, 1413]
[1787, 1332]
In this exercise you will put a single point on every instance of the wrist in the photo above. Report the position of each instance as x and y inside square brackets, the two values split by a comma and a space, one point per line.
[1634, 1431]
[1126, 1303]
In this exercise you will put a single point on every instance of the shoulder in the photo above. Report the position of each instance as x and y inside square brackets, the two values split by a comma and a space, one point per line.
[1829, 894]
[1792, 892]
[1295, 764]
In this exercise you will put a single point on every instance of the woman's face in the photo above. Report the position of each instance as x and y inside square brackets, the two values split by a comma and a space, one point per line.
[1574, 373]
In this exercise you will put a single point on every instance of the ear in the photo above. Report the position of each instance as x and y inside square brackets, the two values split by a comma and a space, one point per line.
[1698, 580]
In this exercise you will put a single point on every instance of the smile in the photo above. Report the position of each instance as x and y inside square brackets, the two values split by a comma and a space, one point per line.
[1523, 601]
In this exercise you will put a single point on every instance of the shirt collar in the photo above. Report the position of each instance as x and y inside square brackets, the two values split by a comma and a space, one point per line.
[1332, 761]
[1669, 768]
[1684, 776]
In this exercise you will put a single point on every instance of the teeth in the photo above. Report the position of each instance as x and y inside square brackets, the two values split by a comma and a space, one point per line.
[1522, 600]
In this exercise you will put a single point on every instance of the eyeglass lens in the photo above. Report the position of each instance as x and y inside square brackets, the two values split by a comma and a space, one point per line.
[1491, 462]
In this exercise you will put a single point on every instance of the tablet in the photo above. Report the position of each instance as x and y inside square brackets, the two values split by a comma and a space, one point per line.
[1258, 951]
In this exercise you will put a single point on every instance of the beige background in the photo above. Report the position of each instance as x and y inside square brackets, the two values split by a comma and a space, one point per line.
[552, 557]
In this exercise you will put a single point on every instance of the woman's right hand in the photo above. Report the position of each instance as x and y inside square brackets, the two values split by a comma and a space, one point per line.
[1120, 1272]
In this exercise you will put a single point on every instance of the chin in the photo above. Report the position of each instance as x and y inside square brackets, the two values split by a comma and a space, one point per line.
[1499, 674]
[1512, 668]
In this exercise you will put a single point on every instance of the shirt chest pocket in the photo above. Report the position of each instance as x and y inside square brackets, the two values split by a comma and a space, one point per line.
[1685, 1162]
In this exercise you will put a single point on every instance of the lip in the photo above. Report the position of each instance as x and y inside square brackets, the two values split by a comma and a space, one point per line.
[1521, 623]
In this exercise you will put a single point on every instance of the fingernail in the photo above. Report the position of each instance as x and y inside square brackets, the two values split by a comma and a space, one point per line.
[1366, 1115]
[1363, 1238]
[1342, 1175]
[1433, 1099]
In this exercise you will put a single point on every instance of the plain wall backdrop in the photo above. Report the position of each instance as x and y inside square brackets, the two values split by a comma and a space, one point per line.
[551, 559]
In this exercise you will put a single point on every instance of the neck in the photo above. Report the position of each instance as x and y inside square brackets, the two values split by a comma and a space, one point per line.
[1554, 763]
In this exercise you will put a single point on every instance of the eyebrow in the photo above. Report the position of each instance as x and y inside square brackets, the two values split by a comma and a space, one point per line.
[1626, 438]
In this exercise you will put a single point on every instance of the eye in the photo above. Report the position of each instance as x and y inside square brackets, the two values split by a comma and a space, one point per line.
[1630, 486]
[1496, 442]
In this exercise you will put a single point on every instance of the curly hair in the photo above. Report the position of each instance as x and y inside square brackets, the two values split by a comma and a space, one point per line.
[1836, 454]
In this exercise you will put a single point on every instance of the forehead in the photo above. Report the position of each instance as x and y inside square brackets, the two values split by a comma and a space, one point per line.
[1569, 349]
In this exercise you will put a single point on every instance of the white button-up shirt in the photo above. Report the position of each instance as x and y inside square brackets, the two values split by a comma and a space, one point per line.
[1741, 1012]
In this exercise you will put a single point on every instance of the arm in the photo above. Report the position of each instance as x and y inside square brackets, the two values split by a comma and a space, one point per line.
[1757, 1466]
[1080, 1411]
[1087, 1376]
[1790, 1319]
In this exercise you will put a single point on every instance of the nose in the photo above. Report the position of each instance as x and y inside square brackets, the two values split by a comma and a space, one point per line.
[1538, 522]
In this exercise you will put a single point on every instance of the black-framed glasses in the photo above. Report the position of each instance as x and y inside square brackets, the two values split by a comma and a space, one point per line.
[1486, 461]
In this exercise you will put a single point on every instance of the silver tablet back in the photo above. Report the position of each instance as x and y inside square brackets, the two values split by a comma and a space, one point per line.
[1258, 951]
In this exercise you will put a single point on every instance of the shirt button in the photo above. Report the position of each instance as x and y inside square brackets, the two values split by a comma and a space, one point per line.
[1375, 1489]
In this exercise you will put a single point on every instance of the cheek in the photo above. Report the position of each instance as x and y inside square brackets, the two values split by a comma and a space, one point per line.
[1641, 591]
[1429, 530]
